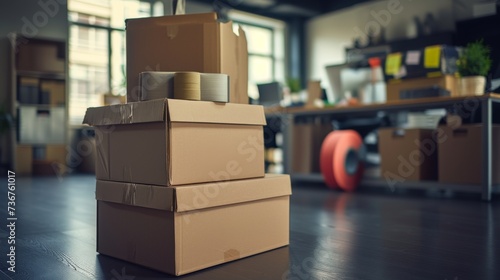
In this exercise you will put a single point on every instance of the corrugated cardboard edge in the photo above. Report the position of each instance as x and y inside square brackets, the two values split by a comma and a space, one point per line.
[161, 198]
[171, 19]
[178, 111]
[196, 196]
[201, 196]
[228, 113]
[235, 45]
[136, 112]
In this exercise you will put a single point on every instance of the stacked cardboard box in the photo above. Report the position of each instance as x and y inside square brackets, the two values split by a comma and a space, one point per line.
[459, 154]
[181, 184]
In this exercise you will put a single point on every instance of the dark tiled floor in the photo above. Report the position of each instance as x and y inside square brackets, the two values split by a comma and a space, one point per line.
[365, 235]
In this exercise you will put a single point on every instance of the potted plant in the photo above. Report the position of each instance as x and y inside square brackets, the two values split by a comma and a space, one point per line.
[473, 66]
[294, 89]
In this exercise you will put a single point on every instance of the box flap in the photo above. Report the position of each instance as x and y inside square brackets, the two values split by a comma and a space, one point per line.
[194, 197]
[171, 19]
[212, 112]
[161, 198]
[135, 112]
[200, 196]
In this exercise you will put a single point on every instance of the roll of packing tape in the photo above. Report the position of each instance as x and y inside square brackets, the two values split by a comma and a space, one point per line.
[341, 159]
[214, 87]
[326, 158]
[187, 85]
[156, 84]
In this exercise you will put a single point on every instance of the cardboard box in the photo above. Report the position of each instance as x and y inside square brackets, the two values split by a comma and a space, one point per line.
[394, 87]
[56, 92]
[24, 160]
[461, 153]
[174, 142]
[314, 92]
[195, 42]
[408, 154]
[192, 227]
[42, 56]
[307, 140]
[301, 148]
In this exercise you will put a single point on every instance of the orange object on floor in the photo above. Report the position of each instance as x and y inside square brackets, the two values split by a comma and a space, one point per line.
[341, 159]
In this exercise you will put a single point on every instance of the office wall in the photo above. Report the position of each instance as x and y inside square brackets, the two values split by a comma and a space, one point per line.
[328, 35]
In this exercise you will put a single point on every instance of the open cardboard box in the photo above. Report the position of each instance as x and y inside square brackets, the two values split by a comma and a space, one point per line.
[170, 142]
[182, 229]
[194, 42]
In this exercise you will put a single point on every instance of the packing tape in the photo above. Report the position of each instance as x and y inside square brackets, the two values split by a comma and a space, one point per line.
[342, 159]
[157, 84]
[187, 85]
[214, 87]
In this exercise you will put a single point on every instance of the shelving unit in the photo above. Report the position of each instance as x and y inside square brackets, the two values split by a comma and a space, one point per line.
[38, 105]
[485, 103]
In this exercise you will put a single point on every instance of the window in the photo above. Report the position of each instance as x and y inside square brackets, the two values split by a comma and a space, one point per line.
[97, 49]
[266, 49]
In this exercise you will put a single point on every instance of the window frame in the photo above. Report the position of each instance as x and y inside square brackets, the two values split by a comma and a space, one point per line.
[109, 31]
[273, 51]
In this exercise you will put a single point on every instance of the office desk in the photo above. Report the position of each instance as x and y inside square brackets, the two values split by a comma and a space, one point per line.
[463, 104]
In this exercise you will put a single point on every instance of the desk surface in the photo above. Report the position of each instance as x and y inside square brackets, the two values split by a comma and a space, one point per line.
[420, 103]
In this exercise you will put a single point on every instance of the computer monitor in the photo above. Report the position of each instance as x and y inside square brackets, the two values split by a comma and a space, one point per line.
[270, 94]
[346, 77]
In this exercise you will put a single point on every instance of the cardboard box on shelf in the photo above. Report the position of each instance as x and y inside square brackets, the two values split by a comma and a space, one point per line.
[174, 142]
[194, 42]
[460, 155]
[394, 87]
[195, 226]
[56, 93]
[44, 57]
[408, 154]
[24, 160]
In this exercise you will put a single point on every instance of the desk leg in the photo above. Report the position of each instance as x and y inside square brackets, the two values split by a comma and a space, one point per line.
[287, 129]
[486, 119]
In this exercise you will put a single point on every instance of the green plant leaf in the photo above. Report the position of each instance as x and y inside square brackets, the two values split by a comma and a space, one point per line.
[475, 60]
